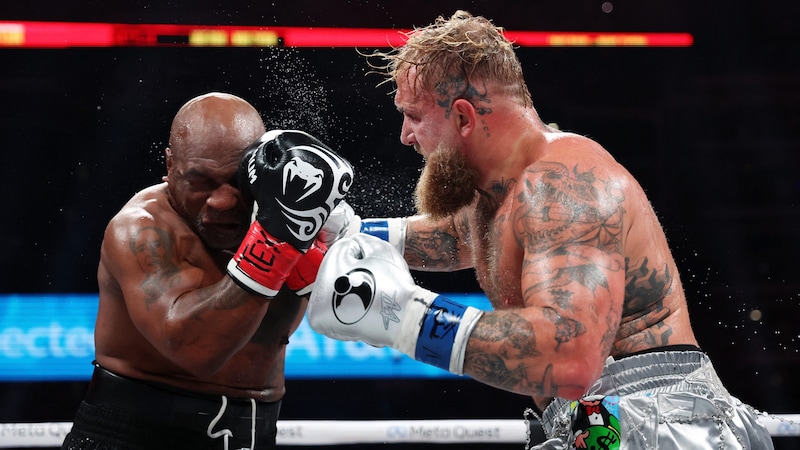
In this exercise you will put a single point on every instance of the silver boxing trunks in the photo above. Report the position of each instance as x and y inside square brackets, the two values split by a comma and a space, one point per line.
[659, 400]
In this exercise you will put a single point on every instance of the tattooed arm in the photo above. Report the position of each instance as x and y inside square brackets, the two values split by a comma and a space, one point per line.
[175, 295]
[567, 227]
[438, 246]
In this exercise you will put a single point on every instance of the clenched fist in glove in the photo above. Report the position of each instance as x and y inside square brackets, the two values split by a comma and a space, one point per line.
[296, 182]
[365, 292]
[344, 222]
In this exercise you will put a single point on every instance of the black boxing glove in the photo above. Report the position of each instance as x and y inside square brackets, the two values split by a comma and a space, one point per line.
[296, 181]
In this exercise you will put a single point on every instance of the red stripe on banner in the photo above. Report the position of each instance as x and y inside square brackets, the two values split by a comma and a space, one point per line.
[589, 39]
[341, 37]
[79, 34]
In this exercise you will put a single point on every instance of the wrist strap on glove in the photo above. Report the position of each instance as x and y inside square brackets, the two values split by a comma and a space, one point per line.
[435, 330]
[304, 273]
[262, 263]
[392, 230]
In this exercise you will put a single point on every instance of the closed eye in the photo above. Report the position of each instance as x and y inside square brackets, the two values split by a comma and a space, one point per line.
[411, 117]
[199, 182]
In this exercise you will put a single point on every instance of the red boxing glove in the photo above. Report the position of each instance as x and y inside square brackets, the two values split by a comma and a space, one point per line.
[304, 274]
[262, 263]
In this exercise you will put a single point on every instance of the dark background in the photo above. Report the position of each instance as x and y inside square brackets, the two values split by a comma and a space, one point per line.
[712, 132]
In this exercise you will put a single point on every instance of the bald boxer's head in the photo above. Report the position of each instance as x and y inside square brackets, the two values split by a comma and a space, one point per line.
[215, 118]
[207, 140]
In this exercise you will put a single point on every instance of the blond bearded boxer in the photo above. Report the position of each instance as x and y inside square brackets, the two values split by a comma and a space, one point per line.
[197, 301]
[588, 302]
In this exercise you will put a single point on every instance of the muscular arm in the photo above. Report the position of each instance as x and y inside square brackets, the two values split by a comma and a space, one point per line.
[188, 309]
[568, 226]
[437, 246]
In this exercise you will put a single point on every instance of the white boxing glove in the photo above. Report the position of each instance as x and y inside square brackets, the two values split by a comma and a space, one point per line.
[341, 223]
[391, 230]
[344, 222]
[365, 292]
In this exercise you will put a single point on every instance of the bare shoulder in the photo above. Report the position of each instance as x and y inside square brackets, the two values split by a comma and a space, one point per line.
[146, 220]
[572, 149]
[584, 169]
[149, 201]
[147, 208]
[574, 196]
[577, 164]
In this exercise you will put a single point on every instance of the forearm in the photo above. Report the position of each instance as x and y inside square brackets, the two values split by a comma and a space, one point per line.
[435, 246]
[205, 327]
[425, 244]
[510, 350]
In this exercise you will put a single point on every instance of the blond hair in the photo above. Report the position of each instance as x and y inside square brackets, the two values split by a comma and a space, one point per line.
[463, 48]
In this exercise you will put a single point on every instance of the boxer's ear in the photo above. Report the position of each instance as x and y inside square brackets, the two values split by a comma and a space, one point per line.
[464, 116]
[168, 161]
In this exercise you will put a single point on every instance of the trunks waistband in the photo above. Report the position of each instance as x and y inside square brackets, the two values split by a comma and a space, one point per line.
[666, 348]
[170, 407]
[661, 371]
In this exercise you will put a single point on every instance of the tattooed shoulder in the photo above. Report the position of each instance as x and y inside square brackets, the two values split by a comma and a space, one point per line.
[154, 249]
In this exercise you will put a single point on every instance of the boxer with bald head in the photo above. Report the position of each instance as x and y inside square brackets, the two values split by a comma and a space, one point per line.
[197, 299]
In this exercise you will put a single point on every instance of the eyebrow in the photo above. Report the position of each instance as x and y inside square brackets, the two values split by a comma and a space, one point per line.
[192, 171]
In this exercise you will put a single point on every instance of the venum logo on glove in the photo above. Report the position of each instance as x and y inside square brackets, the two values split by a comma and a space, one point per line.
[310, 176]
[319, 187]
[295, 181]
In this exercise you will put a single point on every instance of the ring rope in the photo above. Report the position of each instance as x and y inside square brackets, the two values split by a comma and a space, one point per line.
[336, 432]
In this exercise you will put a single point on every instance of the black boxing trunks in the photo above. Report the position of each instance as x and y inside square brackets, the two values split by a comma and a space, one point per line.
[127, 414]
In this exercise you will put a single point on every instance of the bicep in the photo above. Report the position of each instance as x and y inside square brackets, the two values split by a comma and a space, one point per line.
[579, 296]
[570, 231]
[144, 263]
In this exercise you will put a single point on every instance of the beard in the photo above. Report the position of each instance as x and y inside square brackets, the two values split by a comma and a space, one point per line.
[447, 183]
[221, 238]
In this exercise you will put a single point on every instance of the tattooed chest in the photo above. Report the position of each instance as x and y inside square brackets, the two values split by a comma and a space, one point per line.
[497, 261]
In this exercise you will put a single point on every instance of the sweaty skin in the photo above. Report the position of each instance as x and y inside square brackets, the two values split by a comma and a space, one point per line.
[168, 311]
[562, 238]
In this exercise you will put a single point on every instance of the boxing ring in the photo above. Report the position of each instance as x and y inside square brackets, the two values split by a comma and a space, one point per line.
[325, 433]
[70, 335]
